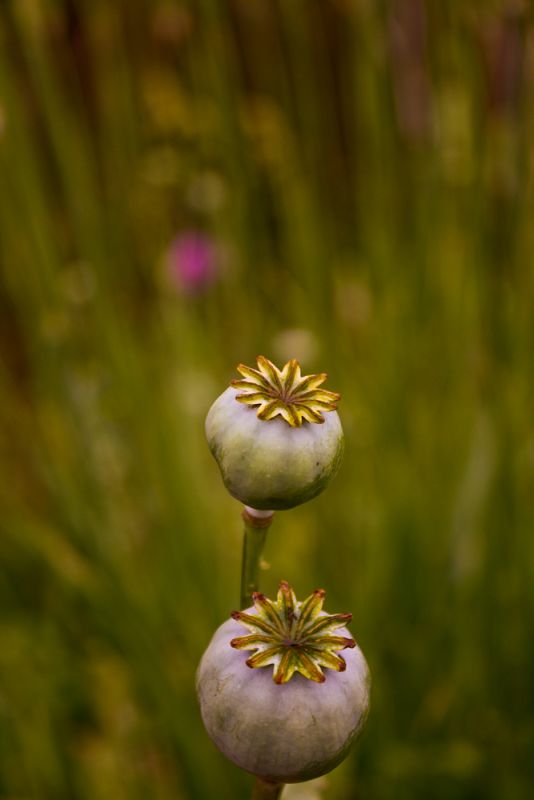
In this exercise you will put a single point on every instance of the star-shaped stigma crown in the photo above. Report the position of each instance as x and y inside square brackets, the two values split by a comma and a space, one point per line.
[292, 636]
[295, 397]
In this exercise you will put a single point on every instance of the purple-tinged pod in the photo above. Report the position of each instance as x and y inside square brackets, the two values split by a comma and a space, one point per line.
[297, 720]
[275, 435]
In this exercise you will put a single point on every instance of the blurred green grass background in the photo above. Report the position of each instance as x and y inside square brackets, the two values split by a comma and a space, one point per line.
[362, 175]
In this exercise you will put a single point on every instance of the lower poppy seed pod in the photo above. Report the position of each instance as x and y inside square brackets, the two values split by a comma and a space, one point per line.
[284, 452]
[293, 722]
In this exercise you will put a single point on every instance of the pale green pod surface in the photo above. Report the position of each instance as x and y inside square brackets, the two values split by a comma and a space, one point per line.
[288, 731]
[270, 465]
[271, 461]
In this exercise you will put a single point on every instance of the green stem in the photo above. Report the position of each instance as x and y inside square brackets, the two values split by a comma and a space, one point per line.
[265, 790]
[256, 526]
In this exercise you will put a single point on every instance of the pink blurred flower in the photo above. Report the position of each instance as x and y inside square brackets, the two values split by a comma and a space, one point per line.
[193, 261]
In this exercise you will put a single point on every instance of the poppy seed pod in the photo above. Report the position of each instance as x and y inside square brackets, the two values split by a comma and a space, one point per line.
[287, 450]
[294, 722]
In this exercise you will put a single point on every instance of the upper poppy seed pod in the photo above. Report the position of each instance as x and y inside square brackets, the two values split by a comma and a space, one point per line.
[284, 452]
[293, 722]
